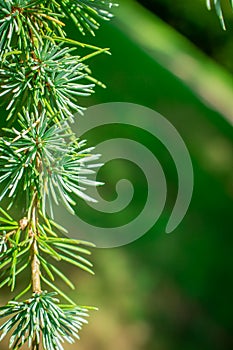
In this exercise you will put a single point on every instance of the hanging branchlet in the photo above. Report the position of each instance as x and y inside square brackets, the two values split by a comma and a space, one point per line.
[42, 163]
[218, 8]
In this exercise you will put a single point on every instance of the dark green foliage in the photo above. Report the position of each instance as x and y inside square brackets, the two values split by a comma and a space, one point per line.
[14, 251]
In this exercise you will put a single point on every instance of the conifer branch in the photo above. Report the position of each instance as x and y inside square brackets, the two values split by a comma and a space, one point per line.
[42, 163]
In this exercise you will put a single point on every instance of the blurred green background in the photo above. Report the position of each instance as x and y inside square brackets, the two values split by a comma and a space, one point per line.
[167, 292]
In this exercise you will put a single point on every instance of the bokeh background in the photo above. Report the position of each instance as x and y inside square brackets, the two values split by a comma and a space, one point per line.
[166, 292]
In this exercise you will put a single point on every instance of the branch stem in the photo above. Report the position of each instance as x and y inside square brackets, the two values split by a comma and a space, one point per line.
[35, 263]
[35, 266]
